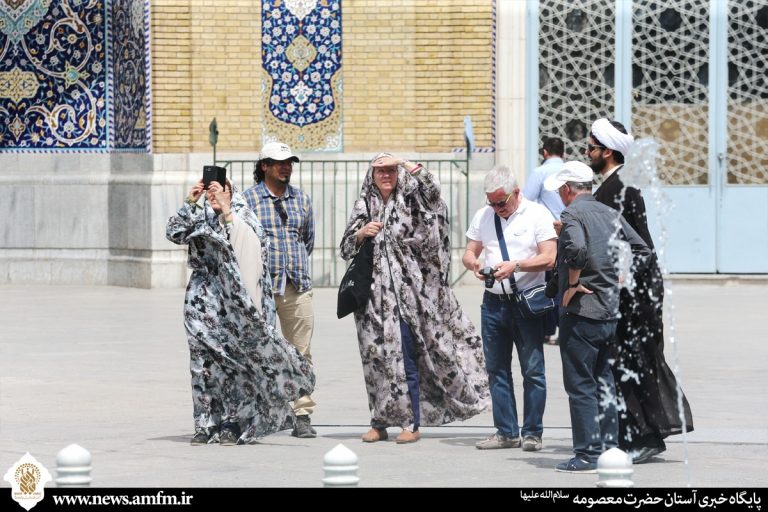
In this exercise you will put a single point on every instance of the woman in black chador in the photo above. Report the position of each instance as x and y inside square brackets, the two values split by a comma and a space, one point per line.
[643, 379]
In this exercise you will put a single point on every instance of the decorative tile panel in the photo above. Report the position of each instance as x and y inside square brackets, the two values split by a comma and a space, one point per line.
[68, 81]
[302, 84]
[129, 79]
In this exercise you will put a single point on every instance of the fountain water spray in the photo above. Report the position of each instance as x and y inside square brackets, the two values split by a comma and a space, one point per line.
[640, 171]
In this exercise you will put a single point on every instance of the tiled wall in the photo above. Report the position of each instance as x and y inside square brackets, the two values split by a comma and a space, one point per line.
[73, 75]
[411, 71]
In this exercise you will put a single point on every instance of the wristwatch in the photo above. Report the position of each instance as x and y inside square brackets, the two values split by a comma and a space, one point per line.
[517, 267]
[574, 285]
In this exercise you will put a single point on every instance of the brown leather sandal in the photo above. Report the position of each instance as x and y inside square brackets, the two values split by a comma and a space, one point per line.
[375, 434]
[406, 436]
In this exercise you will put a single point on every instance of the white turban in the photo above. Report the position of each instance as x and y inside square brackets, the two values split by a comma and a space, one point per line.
[612, 138]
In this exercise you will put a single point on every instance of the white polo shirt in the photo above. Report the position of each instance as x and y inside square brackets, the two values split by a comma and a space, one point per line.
[523, 230]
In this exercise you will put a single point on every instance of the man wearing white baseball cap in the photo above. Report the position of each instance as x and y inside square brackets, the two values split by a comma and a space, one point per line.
[286, 213]
[590, 285]
[277, 151]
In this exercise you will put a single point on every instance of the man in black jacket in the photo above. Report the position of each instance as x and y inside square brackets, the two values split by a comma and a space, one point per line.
[588, 278]
[651, 395]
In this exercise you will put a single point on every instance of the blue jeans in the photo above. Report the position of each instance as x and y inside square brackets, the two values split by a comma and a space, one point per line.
[411, 370]
[588, 379]
[503, 327]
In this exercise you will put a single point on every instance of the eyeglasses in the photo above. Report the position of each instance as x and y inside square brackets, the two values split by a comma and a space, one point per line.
[499, 204]
[385, 170]
[592, 147]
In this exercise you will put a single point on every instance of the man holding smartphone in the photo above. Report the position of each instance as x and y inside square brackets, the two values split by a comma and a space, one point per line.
[286, 214]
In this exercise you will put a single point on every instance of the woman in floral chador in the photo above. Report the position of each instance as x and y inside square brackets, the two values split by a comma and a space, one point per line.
[243, 372]
[422, 358]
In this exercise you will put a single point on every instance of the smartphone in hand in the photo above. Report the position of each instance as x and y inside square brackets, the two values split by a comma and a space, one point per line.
[214, 173]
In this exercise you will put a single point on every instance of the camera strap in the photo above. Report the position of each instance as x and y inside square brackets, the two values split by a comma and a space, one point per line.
[504, 253]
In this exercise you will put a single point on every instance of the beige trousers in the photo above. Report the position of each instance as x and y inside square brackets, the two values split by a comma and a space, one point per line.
[297, 321]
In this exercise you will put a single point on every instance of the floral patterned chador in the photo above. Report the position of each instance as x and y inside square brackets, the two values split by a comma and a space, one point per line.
[243, 371]
[411, 280]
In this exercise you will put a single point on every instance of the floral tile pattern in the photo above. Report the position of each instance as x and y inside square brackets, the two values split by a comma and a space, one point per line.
[301, 61]
[129, 59]
[68, 81]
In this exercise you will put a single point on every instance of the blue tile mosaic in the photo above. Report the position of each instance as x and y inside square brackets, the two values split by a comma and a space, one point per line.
[57, 89]
[130, 71]
[301, 61]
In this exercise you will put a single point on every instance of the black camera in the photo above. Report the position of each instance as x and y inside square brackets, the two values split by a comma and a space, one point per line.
[488, 273]
[552, 287]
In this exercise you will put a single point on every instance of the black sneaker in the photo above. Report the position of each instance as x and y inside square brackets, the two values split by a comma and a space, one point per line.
[577, 465]
[303, 428]
[227, 438]
[199, 438]
[644, 454]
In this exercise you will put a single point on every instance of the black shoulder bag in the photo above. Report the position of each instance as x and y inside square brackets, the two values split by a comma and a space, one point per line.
[355, 286]
[532, 301]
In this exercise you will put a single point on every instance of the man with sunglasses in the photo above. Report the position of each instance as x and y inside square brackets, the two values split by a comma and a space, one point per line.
[286, 213]
[651, 395]
[529, 241]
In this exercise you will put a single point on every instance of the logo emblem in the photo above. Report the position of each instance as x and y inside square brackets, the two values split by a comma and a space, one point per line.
[27, 478]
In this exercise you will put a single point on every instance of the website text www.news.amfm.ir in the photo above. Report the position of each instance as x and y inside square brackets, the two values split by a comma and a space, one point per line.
[160, 498]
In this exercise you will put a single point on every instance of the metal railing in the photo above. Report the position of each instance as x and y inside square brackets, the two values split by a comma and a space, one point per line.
[334, 185]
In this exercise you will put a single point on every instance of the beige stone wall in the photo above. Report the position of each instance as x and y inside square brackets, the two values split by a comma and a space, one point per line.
[171, 46]
[412, 70]
[205, 64]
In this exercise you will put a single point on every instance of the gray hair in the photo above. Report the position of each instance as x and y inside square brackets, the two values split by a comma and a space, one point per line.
[500, 177]
[578, 185]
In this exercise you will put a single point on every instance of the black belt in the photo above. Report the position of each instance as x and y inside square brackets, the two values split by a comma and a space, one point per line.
[498, 297]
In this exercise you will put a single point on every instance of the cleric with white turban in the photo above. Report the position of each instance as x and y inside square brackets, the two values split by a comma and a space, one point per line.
[610, 137]
[651, 395]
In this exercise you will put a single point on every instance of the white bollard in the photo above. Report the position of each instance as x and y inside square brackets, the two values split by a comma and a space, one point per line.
[73, 467]
[340, 466]
[614, 468]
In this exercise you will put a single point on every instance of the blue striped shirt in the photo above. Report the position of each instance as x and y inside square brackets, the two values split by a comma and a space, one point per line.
[290, 226]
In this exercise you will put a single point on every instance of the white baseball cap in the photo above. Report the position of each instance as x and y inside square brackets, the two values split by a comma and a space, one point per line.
[574, 171]
[278, 151]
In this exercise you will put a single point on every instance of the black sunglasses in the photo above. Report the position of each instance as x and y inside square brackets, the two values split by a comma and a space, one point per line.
[592, 147]
[281, 211]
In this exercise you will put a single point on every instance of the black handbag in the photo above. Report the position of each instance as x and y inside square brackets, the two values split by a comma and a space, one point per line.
[355, 286]
[532, 302]
[553, 286]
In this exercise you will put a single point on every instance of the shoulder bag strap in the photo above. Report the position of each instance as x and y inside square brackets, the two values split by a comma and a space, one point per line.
[503, 247]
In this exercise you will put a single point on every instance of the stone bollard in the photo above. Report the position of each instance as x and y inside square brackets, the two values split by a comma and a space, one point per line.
[73, 467]
[340, 466]
[614, 468]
